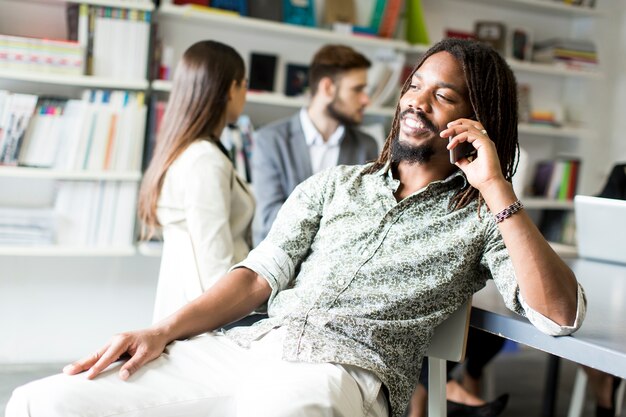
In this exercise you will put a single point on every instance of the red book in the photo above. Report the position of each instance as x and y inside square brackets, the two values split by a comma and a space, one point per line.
[388, 24]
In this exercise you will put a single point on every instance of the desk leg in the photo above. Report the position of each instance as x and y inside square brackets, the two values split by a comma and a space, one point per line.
[550, 389]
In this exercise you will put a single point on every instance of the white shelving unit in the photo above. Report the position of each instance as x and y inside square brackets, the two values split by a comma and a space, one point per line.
[65, 251]
[48, 20]
[277, 99]
[88, 81]
[43, 173]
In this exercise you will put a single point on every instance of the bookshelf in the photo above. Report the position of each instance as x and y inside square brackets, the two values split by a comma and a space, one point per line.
[180, 26]
[82, 204]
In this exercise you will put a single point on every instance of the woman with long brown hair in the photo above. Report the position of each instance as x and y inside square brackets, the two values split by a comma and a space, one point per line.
[190, 188]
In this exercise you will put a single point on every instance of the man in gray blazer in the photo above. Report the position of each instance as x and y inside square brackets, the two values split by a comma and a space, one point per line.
[319, 136]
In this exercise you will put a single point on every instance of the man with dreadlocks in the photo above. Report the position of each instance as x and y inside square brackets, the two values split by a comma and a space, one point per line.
[361, 265]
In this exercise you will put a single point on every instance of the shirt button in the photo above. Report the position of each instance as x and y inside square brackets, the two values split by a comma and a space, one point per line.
[341, 282]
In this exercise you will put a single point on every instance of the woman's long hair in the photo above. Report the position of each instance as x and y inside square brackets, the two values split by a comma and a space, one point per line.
[492, 93]
[196, 107]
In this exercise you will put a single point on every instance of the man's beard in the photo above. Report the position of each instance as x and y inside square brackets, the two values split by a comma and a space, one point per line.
[418, 154]
[412, 154]
[340, 116]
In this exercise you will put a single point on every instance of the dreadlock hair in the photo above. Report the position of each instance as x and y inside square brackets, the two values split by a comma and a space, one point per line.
[492, 93]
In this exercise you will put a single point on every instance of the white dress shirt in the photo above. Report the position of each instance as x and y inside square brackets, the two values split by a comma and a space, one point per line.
[324, 154]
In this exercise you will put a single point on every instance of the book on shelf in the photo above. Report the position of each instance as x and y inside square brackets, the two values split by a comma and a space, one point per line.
[95, 213]
[266, 9]
[558, 226]
[114, 40]
[103, 131]
[416, 31]
[385, 76]
[299, 12]
[19, 53]
[26, 226]
[16, 110]
[238, 6]
[556, 179]
[389, 21]
[572, 53]
[155, 117]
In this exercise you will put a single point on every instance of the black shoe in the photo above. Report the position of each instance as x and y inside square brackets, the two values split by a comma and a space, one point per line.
[492, 409]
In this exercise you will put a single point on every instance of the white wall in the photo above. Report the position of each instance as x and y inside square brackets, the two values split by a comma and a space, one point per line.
[58, 309]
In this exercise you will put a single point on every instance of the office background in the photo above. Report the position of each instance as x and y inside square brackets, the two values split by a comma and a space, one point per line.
[58, 305]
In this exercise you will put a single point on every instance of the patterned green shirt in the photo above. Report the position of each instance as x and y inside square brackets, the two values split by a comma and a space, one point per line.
[359, 278]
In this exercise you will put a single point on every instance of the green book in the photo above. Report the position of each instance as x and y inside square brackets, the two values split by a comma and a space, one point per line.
[377, 14]
[416, 32]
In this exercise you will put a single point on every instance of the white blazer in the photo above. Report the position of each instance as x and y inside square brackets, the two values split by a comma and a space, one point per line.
[206, 212]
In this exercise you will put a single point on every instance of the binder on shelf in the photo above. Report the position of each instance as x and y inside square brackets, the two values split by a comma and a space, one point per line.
[299, 12]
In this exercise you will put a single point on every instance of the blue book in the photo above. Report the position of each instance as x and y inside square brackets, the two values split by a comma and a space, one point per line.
[239, 6]
[299, 12]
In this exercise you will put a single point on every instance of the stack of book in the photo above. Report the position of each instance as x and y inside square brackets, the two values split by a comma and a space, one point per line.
[571, 53]
[26, 226]
[18, 53]
[95, 213]
[101, 132]
[556, 179]
[114, 40]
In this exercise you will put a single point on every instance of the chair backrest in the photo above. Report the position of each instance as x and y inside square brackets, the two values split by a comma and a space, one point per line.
[447, 344]
[450, 337]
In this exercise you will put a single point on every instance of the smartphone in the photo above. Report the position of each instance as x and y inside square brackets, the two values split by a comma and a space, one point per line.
[461, 150]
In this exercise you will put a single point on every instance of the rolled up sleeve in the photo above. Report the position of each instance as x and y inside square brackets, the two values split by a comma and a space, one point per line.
[547, 326]
[278, 257]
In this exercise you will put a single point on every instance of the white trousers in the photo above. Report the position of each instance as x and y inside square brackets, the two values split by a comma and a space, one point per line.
[209, 376]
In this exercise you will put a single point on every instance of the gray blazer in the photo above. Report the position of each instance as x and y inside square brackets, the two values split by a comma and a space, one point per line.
[281, 161]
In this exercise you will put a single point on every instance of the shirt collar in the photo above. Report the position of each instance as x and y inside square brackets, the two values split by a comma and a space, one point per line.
[386, 170]
[313, 137]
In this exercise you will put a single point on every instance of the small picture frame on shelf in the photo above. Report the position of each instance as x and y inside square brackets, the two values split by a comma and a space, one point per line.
[492, 33]
[262, 71]
[296, 80]
[521, 44]
[343, 11]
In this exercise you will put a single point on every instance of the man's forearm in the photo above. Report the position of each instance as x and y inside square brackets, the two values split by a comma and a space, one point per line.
[547, 284]
[234, 296]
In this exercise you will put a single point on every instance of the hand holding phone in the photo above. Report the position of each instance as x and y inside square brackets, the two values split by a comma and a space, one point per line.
[460, 151]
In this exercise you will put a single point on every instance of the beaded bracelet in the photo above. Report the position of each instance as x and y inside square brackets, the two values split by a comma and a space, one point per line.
[509, 211]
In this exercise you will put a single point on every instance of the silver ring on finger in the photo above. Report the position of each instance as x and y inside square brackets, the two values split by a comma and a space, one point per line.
[484, 132]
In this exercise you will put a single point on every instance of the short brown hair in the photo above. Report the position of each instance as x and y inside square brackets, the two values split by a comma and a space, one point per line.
[332, 60]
